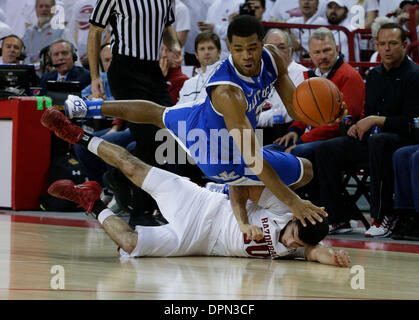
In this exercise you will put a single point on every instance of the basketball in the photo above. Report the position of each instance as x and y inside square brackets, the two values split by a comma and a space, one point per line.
[317, 101]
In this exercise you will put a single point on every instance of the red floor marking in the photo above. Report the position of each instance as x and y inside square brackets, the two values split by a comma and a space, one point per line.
[55, 221]
[344, 243]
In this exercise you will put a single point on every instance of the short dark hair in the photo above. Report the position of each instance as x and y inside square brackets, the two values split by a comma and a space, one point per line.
[313, 233]
[393, 25]
[13, 36]
[245, 26]
[262, 2]
[208, 36]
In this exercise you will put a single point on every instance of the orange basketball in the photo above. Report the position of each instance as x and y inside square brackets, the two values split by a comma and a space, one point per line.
[317, 101]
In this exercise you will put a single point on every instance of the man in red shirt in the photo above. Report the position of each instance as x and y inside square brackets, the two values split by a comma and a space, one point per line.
[301, 140]
[171, 68]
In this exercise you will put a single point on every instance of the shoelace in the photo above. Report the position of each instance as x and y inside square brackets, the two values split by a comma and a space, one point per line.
[386, 223]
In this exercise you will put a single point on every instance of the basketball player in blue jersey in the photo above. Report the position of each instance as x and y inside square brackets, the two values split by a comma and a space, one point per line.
[236, 93]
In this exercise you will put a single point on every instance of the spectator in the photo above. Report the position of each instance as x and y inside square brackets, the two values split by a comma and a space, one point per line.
[337, 14]
[406, 195]
[198, 12]
[171, 68]
[388, 7]
[301, 140]
[283, 10]
[19, 17]
[79, 27]
[207, 52]
[105, 62]
[182, 23]
[218, 18]
[259, 6]
[378, 22]
[310, 16]
[390, 105]
[276, 120]
[403, 16]
[12, 49]
[63, 55]
[42, 33]
[371, 11]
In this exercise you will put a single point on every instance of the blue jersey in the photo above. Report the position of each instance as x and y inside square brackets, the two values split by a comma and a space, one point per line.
[202, 130]
[255, 89]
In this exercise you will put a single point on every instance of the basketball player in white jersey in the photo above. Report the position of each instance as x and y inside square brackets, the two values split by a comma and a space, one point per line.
[201, 222]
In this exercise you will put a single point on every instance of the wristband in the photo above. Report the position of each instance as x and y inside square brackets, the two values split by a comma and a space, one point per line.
[93, 108]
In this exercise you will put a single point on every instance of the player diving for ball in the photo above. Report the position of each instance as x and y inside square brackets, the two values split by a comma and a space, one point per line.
[235, 95]
[201, 222]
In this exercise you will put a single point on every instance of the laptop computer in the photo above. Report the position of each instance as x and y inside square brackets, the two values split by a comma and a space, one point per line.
[58, 91]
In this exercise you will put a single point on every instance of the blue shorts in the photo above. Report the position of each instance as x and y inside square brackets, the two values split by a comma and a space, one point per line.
[287, 166]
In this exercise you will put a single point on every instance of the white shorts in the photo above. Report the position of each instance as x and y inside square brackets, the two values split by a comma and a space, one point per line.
[190, 211]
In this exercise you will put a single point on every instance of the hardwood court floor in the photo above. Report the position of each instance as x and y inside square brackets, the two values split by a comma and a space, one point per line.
[33, 254]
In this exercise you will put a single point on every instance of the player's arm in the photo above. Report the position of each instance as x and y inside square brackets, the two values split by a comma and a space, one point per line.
[230, 102]
[238, 199]
[283, 85]
[93, 50]
[325, 255]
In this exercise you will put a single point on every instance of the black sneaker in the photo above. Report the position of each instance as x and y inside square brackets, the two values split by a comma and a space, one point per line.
[145, 219]
[412, 233]
[340, 228]
[121, 188]
[404, 225]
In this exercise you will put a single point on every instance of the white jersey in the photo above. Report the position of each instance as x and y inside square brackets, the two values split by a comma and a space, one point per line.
[202, 222]
[272, 216]
[193, 89]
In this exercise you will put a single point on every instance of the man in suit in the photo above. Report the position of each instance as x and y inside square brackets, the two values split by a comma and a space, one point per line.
[63, 55]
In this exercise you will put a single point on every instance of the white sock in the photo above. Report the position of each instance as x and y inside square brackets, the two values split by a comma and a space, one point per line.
[94, 144]
[104, 214]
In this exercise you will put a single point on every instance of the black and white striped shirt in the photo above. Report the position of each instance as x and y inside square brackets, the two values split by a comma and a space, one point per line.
[137, 25]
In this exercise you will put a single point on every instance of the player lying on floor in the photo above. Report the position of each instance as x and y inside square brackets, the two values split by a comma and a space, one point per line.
[201, 222]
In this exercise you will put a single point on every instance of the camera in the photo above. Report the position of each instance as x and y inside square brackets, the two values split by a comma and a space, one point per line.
[246, 8]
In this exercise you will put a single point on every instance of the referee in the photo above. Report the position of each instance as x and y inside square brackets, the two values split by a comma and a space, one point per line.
[138, 29]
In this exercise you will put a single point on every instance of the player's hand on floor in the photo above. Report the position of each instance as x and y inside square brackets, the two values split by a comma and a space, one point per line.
[252, 232]
[342, 258]
[304, 209]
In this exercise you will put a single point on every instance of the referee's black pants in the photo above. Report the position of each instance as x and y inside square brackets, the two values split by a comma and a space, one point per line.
[335, 155]
[130, 78]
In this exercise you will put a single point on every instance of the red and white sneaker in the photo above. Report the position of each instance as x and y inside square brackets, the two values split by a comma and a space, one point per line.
[84, 194]
[380, 229]
[63, 128]
[340, 228]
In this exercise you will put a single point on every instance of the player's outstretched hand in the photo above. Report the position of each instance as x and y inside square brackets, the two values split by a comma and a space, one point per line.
[342, 114]
[342, 258]
[75, 107]
[304, 209]
[252, 232]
